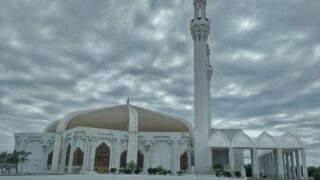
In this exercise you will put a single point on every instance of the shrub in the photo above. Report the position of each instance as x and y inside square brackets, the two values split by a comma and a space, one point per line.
[159, 170]
[131, 166]
[150, 170]
[127, 171]
[137, 171]
[218, 169]
[237, 173]
[113, 170]
[179, 173]
[168, 172]
[227, 174]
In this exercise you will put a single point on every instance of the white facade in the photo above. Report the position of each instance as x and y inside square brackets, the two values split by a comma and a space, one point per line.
[157, 148]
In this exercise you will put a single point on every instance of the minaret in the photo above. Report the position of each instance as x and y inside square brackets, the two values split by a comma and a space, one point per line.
[200, 27]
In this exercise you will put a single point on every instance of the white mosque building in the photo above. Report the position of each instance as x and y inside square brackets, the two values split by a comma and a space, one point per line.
[99, 139]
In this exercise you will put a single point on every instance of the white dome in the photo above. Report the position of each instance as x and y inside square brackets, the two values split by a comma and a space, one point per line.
[117, 118]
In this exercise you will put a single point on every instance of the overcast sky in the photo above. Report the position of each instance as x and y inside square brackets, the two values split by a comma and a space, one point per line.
[61, 56]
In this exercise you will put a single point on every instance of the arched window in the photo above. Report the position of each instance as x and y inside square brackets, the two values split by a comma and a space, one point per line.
[102, 158]
[184, 161]
[77, 160]
[49, 161]
[68, 155]
[123, 159]
[140, 160]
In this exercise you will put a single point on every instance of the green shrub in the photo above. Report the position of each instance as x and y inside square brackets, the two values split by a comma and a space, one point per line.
[168, 172]
[113, 170]
[150, 170]
[237, 173]
[227, 174]
[218, 169]
[137, 171]
[179, 173]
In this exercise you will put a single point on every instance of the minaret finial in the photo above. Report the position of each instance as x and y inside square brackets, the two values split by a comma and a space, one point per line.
[199, 8]
[128, 100]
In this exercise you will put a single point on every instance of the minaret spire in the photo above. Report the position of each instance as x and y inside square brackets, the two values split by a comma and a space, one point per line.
[200, 27]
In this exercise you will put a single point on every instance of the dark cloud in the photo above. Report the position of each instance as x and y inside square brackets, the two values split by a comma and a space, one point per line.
[62, 56]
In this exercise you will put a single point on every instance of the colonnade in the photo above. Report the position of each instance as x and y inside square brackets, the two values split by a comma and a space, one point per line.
[277, 163]
[289, 164]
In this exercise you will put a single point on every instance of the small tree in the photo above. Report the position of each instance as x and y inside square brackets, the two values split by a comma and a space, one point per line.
[17, 157]
[131, 166]
[3, 160]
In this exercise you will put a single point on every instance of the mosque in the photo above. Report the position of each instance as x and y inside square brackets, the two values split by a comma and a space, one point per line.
[96, 140]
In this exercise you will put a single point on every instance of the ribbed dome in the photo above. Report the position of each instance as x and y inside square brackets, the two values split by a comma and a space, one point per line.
[117, 118]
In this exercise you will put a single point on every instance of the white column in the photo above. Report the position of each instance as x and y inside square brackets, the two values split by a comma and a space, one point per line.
[63, 157]
[255, 162]
[175, 156]
[304, 164]
[56, 153]
[85, 154]
[298, 165]
[118, 153]
[231, 159]
[287, 166]
[293, 173]
[280, 172]
[200, 28]
[92, 156]
[133, 135]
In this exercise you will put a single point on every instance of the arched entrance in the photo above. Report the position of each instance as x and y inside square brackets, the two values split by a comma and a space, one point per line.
[123, 159]
[49, 160]
[102, 158]
[77, 160]
[184, 161]
[66, 164]
[140, 160]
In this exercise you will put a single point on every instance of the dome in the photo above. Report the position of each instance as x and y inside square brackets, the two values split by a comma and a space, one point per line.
[117, 118]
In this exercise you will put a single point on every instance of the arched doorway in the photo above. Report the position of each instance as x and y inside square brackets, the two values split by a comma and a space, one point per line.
[102, 158]
[140, 160]
[123, 159]
[66, 164]
[77, 160]
[49, 160]
[184, 161]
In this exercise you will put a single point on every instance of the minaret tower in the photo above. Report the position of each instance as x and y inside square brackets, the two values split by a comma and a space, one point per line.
[200, 27]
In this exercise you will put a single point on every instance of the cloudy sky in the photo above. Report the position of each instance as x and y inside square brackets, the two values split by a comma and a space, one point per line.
[61, 56]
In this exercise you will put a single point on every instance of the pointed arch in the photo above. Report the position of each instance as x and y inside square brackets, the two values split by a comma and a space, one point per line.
[123, 159]
[219, 139]
[77, 157]
[288, 140]
[140, 160]
[77, 160]
[241, 140]
[265, 140]
[184, 161]
[102, 158]
[49, 160]
[68, 155]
